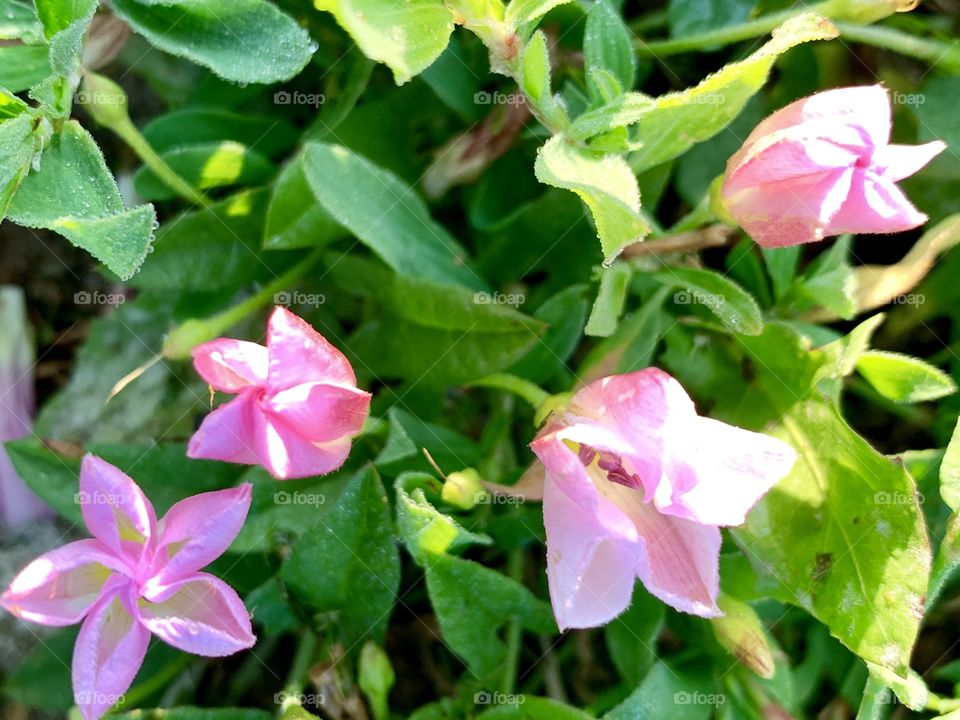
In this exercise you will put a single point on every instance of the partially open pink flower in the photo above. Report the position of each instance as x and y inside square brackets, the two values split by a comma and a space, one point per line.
[297, 406]
[824, 166]
[136, 576]
[18, 504]
[638, 485]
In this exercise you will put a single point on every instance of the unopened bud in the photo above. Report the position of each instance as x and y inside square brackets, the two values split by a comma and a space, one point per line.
[376, 677]
[870, 11]
[104, 100]
[741, 633]
[463, 489]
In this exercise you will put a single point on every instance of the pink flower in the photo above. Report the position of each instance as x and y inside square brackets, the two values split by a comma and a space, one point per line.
[18, 504]
[824, 166]
[136, 576]
[638, 485]
[297, 404]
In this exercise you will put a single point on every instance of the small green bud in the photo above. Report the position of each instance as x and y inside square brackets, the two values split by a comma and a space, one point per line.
[463, 489]
[182, 340]
[870, 11]
[741, 633]
[375, 677]
[104, 100]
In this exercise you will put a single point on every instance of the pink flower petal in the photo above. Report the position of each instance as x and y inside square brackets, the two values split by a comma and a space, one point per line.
[321, 412]
[60, 587]
[734, 468]
[591, 574]
[791, 212]
[231, 365]
[896, 162]
[228, 433]
[875, 205]
[115, 509]
[299, 354]
[109, 652]
[200, 614]
[198, 530]
[288, 455]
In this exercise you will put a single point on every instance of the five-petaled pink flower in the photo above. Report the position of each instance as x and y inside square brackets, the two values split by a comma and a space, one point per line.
[136, 576]
[297, 406]
[637, 485]
[824, 166]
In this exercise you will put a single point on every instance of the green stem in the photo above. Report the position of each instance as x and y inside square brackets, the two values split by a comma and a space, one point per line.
[302, 659]
[729, 35]
[934, 52]
[532, 393]
[129, 133]
[513, 635]
[187, 336]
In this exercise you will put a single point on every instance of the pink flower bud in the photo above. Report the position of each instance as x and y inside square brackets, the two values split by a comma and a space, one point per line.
[824, 166]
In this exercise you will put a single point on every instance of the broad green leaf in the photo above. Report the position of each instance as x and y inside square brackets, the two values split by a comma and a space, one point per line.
[409, 436]
[17, 148]
[526, 707]
[268, 136]
[903, 378]
[522, 12]
[732, 305]
[473, 603]
[606, 185]
[206, 166]
[689, 17]
[294, 218]
[425, 530]
[950, 472]
[23, 66]
[565, 314]
[52, 477]
[41, 679]
[608, 45]
[189, 713]
[18, 21]
[842, 534]
[385, 214]
[671, 692]
[781, 264]
[73, 193]
[608, 307]
[246, 41]
[407, 37]
[631, 638]
[57, 15]
[228, 258]
[348, 564]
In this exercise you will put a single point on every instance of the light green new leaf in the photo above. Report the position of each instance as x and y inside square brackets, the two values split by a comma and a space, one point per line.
[385, 214]
[534, 708]
[57, 15]
[904, 379]
[605, 183]
[950, 472]
[732, 305]
[23, 66]
[74, 194]
[521, 12]
[611, 297]
[17, 148]
[348, 563]
[246, 41]
[406, 36]
[473, 602]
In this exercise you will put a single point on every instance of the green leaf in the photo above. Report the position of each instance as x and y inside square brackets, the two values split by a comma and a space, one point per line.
[425, 530]
[608, 45]
[950, 472]
[269, 136]
[294, 218]
[17, 150]
[348, 564]
[407, 37]
[52, 477]
[632, 637]
[189, 713]
[527, 707]
[57, 15]
[670, 692]
[606, 185]
[782, 266]
[842, 534]
[565, 314]
[732, 305]
[206, 166]
[409, 435]
[522, 12]
[904, 379]
[690, 17]
[634, 343]
[23, 66]
[18, 21]
[74, 194]
[608, 307]
[473, 603]
[385, 214]
[246, 41]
